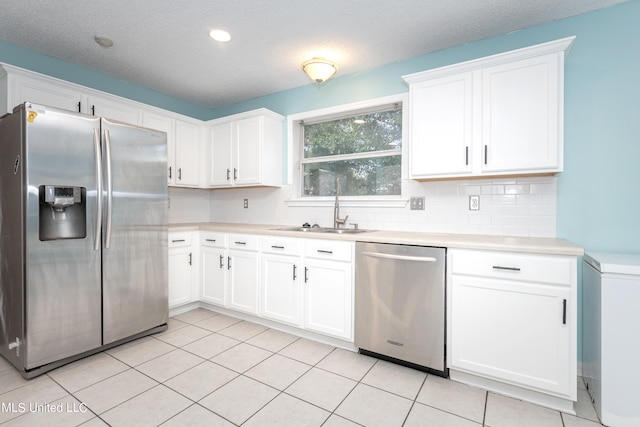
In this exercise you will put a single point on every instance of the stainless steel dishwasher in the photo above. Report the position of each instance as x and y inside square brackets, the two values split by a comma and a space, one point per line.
[400, 304]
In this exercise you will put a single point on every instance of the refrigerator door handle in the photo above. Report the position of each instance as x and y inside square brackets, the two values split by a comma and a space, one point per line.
[107, 140]
[98, 160]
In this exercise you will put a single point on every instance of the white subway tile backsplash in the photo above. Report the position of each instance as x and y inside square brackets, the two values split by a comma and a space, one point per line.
[520, 207]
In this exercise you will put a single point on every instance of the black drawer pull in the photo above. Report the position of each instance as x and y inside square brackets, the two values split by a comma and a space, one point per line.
[322, 251]
[277, 247]
[240, 243]
[499, 267]
[221, 261]
[177, 241]
[564, 311]
[210, 240]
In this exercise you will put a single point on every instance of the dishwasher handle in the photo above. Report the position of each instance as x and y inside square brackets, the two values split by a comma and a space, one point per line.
[400, 257]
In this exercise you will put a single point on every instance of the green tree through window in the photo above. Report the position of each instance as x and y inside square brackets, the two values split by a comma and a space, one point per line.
[364, 151]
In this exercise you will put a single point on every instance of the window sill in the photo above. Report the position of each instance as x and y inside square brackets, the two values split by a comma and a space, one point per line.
[369, 202]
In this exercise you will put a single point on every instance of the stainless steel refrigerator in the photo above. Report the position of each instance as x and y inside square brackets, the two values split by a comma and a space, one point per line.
[83, 235]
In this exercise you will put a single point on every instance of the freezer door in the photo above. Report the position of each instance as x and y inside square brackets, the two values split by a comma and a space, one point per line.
[134, 255]
[62, 284]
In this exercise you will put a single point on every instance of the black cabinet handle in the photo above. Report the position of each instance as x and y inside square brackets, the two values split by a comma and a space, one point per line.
[235, 173]
[294, 272]
[210, 240]
[240, 243]
[466, 156]
[180, 174]
[485, 154]
[564, 311]
[499, 267]
[228, 174]
[169, 172]
[221, 261]
[178, 240]
[93, 110]
[277, 247]
[79, 107]
[306, 275]
[322, 251]
[229, 263]
[190, 258]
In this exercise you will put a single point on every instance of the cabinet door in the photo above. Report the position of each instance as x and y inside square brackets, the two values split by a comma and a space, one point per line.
[180, 275]
[247, 151]
[280, 288]
[214, 275]
[328, 298]
[441, 118]
[512, 331]
[112, 109]
[243, 280]
[164, 124]
[47, 93]
[520, 116]
[221, 170]
[187, 154]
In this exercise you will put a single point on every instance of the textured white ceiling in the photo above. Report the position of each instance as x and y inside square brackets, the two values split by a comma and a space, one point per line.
[164, 44]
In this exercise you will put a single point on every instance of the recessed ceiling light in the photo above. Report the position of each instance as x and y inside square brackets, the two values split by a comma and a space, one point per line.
[220, 35]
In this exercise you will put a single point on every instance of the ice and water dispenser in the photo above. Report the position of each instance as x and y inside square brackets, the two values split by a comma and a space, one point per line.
[63, 212]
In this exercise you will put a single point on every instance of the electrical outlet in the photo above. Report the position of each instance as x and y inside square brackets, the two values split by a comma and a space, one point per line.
[246, 203]
[417, 203]
[474, 203]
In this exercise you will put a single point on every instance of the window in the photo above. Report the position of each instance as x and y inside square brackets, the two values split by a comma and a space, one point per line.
[363, 149]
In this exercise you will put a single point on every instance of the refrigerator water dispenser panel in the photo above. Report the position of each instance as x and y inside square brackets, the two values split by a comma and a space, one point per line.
[63, 212]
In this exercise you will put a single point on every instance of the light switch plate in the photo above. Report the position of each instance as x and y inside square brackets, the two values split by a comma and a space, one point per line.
[474, 203]
[417, 203]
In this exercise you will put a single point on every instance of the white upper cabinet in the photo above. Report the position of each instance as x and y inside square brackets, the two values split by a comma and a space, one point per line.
[187, 154]
[165, 124]
[441, 116]
[31, 87]
[246, 150]
[112, 108]
[499, 115]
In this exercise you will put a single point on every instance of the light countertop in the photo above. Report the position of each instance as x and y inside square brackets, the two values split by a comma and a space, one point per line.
[542, 245]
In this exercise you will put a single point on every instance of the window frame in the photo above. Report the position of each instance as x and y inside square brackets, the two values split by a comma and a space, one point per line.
[294, 152]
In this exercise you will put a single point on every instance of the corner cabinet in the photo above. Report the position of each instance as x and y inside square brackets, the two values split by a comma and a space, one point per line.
[246, 150]
[513, 320]
[499, 115]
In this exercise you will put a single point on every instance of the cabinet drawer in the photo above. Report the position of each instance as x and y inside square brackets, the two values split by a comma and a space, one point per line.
[244, 242]
[553, 269]
[213, 239]
[328, 249]
[177, 240]
[281, 245]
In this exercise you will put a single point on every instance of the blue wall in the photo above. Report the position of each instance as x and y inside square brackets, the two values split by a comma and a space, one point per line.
[599, 192]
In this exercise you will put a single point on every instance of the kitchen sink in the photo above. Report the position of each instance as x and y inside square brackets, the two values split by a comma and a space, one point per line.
[324, 230]
[343, 230]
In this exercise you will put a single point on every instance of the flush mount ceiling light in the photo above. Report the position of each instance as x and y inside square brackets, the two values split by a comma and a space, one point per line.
[220, 35]
[105, 42]
[319, 69]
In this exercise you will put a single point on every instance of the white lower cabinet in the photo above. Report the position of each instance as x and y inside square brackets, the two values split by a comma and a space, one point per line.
[513, 319]
[328, 287]
[213, 256]
[282, 280]
[181, 269]
[243, 272]
[309, 283]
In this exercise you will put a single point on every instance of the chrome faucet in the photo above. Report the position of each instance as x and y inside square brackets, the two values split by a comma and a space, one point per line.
[337, 221]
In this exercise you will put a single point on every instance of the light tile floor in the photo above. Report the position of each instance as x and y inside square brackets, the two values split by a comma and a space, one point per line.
[209, 369]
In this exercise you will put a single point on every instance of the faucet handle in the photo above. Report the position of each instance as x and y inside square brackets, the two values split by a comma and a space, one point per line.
[355, 225]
